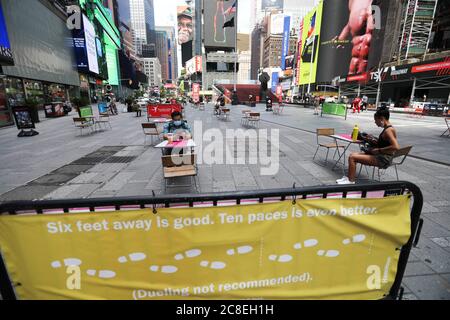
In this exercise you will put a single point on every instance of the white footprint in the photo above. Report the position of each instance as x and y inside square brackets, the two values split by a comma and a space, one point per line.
[164, 269]
[355, 239]
[329, 253]
[240, 250]
[217, 265]
[283, 258]
[103, 274]
[137, 256]
[67, 262]
[188, 254]
[307, 244]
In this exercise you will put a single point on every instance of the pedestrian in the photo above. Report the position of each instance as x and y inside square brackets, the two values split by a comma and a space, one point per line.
[316, 105]
[381, 152]
[357, 105]
[364, 104]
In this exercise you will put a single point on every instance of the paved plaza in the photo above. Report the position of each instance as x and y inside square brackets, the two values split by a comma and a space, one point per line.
[59, 163]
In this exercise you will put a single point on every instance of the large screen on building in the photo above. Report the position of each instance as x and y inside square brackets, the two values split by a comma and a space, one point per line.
[351, 40]
[311, 37]
[185, 24]
[6, 57]
[274, 4]
[85, 44]
[220, 23]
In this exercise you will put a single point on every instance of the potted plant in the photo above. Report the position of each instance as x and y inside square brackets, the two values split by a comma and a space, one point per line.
[33, 104]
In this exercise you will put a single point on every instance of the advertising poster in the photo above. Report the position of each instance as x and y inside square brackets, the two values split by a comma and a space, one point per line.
[298, 64]
[275, 81]
[6, 56]
[312, 249]
[310, 45]
[196, 92]
[86, 49]
[276, 24]
[351, 41]
[272, 4]
[285, 48]
[22, 116]
[185, 32]
[220, 23]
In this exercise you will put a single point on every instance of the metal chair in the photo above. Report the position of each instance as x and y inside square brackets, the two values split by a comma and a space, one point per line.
[150, 129]
[399, 157]
[177, 166]
[104, 119]
[83, 123]
[254, 119]
[327, 132]
[245, 116]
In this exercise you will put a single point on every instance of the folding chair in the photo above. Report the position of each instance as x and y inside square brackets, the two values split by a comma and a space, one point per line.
[83, 123]
[104, 119]
[327, 132]
[254, 118]
[177, 166]
[245, 116]
[399, 157]
[150, 129]
[447, 132]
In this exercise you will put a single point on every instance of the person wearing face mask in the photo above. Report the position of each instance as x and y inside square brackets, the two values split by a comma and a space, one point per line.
[177, 126]
[382, 152]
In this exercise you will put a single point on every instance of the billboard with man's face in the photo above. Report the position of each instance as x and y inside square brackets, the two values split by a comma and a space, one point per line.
[352, 39]
[185, 24]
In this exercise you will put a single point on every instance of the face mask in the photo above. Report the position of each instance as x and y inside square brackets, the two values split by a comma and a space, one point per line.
[178, 123]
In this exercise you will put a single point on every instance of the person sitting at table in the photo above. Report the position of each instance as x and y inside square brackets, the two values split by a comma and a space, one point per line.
[177, 126]
[381, 155]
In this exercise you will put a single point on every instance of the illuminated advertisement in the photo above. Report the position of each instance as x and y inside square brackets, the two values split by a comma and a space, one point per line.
[6, 57]
[285, 49]
[185, 24]
[220, 23]
[310, 45]
[276, 24]
[272, 4]
[85, 45]
[352, 39]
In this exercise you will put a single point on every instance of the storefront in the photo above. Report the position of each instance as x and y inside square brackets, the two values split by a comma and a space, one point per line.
[46, 72]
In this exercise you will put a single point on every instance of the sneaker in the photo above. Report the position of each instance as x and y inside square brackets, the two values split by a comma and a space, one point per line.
[345, 181]
[344, 178]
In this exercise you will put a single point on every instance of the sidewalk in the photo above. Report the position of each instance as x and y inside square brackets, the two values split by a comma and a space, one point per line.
[59, 164]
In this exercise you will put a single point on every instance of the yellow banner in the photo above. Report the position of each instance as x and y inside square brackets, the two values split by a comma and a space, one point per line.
[315, 249]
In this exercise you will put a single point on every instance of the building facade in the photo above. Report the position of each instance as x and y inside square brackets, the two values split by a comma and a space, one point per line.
[244, 67]
[152, 69]
[142, 22]
[272, 50]
[162, 52]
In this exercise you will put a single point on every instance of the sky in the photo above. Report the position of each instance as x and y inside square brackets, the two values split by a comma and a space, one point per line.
[166, 13]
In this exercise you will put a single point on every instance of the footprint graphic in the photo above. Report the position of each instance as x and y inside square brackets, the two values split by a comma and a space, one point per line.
[240, 250]
[164, 269]
[137, 256]
[67, 262]
[306, 244]
[328, 253]
[188, 254]
[355, 239]
[103, 274]
[217, 265]
[283, 258]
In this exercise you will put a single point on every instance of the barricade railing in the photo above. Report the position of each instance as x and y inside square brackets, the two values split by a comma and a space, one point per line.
[375, 190]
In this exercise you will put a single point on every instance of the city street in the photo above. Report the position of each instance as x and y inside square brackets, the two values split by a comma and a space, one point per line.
[60, 164]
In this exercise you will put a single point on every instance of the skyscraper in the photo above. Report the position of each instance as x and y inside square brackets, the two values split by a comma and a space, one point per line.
[162, 53]
[172, 56]
[142, 20]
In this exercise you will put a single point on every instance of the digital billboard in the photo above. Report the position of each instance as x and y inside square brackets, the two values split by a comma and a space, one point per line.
[352, 39]
[220, 23]
[310, 45]
[6, 57]
[185, 24]
[276, 24]
[272, 4]
[85, 45]
[285, 49]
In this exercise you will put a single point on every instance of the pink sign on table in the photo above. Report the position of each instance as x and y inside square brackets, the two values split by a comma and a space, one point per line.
[177, 144]
[346, 136]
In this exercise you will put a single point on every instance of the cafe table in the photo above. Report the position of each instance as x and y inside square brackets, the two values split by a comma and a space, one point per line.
[347, 138]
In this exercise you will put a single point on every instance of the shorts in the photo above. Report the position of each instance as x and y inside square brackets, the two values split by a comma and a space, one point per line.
[384, 160]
